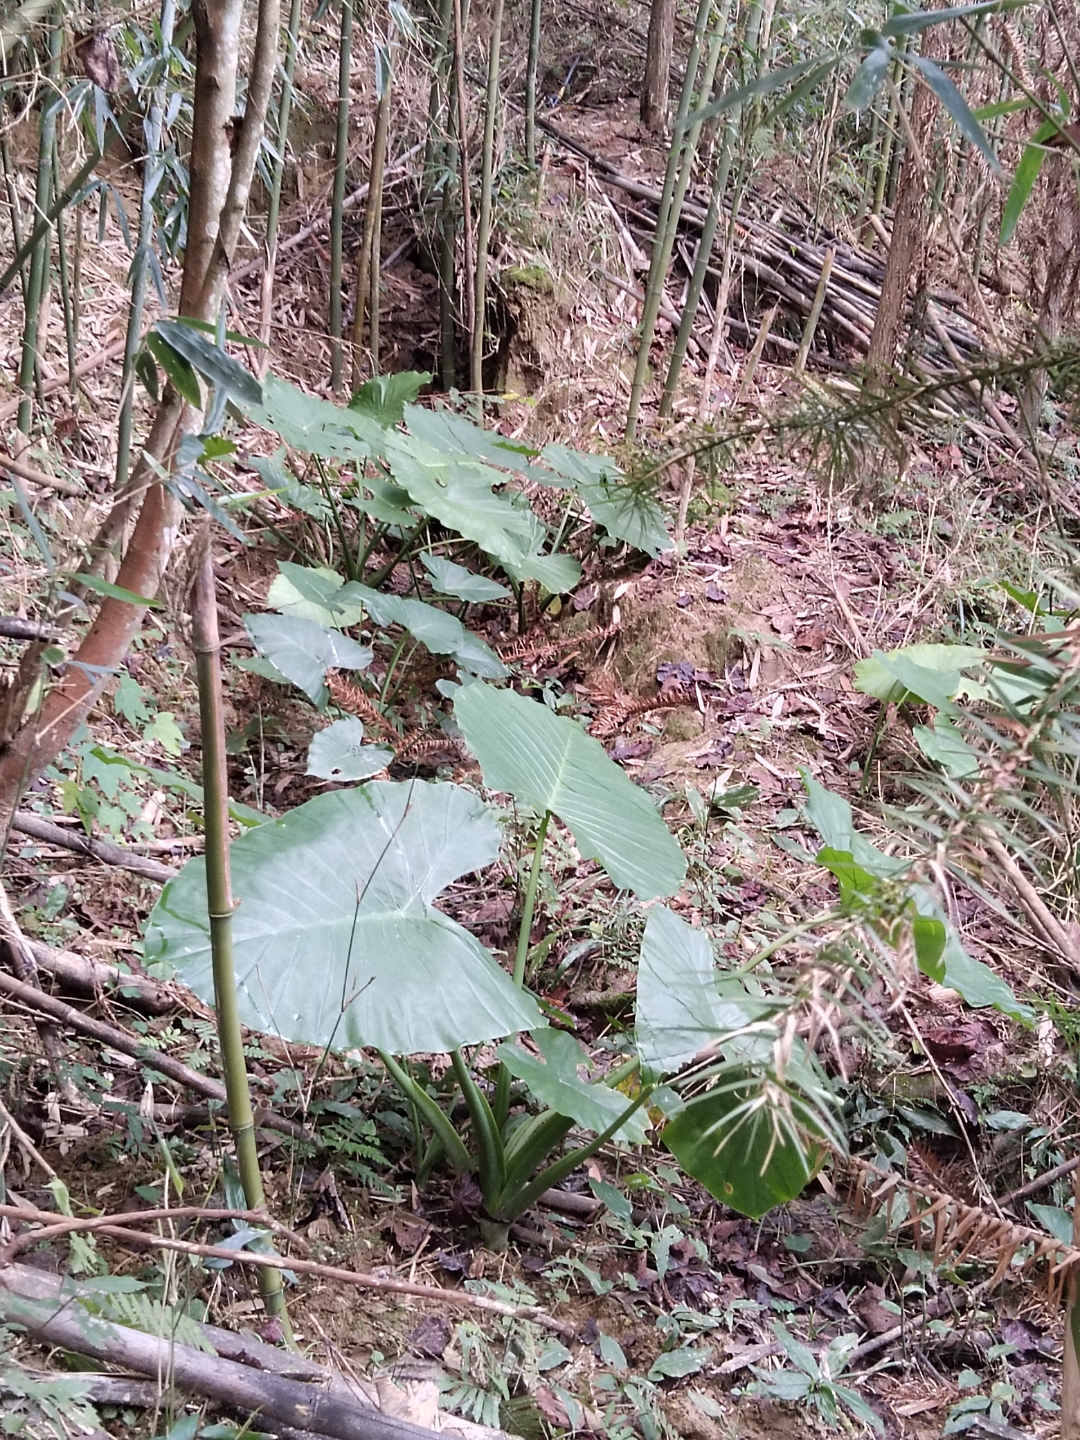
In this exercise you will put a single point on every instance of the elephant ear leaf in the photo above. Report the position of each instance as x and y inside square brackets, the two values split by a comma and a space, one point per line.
[336, 941]
[548, 762]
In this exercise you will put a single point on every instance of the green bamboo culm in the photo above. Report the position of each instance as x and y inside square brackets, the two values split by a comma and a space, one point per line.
[368, 265]
[68, 292]
[532, 68]
[341, 162]
[139, 274]
[284, 115]
[207, 647]
[37, 284]
[483, 224]
[680, 156]
[721, 176]
[440, 181]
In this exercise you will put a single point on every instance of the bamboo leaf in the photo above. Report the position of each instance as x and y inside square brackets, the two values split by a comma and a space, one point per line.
[1027, 172]
[211, 361]
[763, 85]
[180, 371]
[957, 107]
[910, 22]
[115, 592]
[868, 77]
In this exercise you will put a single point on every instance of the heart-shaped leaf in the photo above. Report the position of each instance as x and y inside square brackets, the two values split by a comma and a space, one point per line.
[303, 650]
[339, 753]
[550, 763]
[335, 939]
[679, 1009]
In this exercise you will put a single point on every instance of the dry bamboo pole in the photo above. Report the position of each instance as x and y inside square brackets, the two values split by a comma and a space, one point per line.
[815, 311]
[676, 179]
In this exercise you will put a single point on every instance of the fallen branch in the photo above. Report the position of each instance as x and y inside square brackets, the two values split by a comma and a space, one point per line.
[55, 1228]
[127, 1044]
[323, 1404]
[358, 1278]
[90, 977]
[33, 825]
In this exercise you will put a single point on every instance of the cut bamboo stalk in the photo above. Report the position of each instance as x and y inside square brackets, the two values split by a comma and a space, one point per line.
[815, 312]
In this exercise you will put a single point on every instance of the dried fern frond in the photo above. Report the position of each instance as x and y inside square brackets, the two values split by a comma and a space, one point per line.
[348, 696]
[524, 653]
[614, 716]
[960, 1231]
[426, 745]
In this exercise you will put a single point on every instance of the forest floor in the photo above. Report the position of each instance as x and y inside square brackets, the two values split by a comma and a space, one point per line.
[782, 585]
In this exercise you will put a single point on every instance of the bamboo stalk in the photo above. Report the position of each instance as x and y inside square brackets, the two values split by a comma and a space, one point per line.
[367, 273]
[463, 162]
[483, 227]
[207, 646]
[531, 69]
[341, 161]
[815, 311]
[680, 153]
[140, 264]
[273, 209]
[38, 280]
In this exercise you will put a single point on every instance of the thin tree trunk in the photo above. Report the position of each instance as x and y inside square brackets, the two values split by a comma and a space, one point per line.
[909, 231]
[220, 186]
[654, 89]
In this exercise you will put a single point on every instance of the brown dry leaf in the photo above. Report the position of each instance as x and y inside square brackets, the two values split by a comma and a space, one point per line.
[409, 1232]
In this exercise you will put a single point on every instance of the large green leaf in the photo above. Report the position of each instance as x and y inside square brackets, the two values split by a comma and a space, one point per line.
[456, 435]
[831, 816]
[625, 511]
[679, 1010]
[461, 495]
[383, 398]
[451, 579]
[928, 673]
[319, 595]
[303, 650]
[315, 593]
[315, 426]
[335, 938]
[339, 753]
[860, 866]
[443, 634]
[550, 763]
[553, 1078]
[749, 1140]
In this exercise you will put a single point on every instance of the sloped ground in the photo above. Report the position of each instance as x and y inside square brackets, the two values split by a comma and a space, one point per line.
[781, 588]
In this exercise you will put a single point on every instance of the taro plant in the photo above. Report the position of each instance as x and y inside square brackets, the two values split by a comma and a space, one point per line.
[342, 889]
